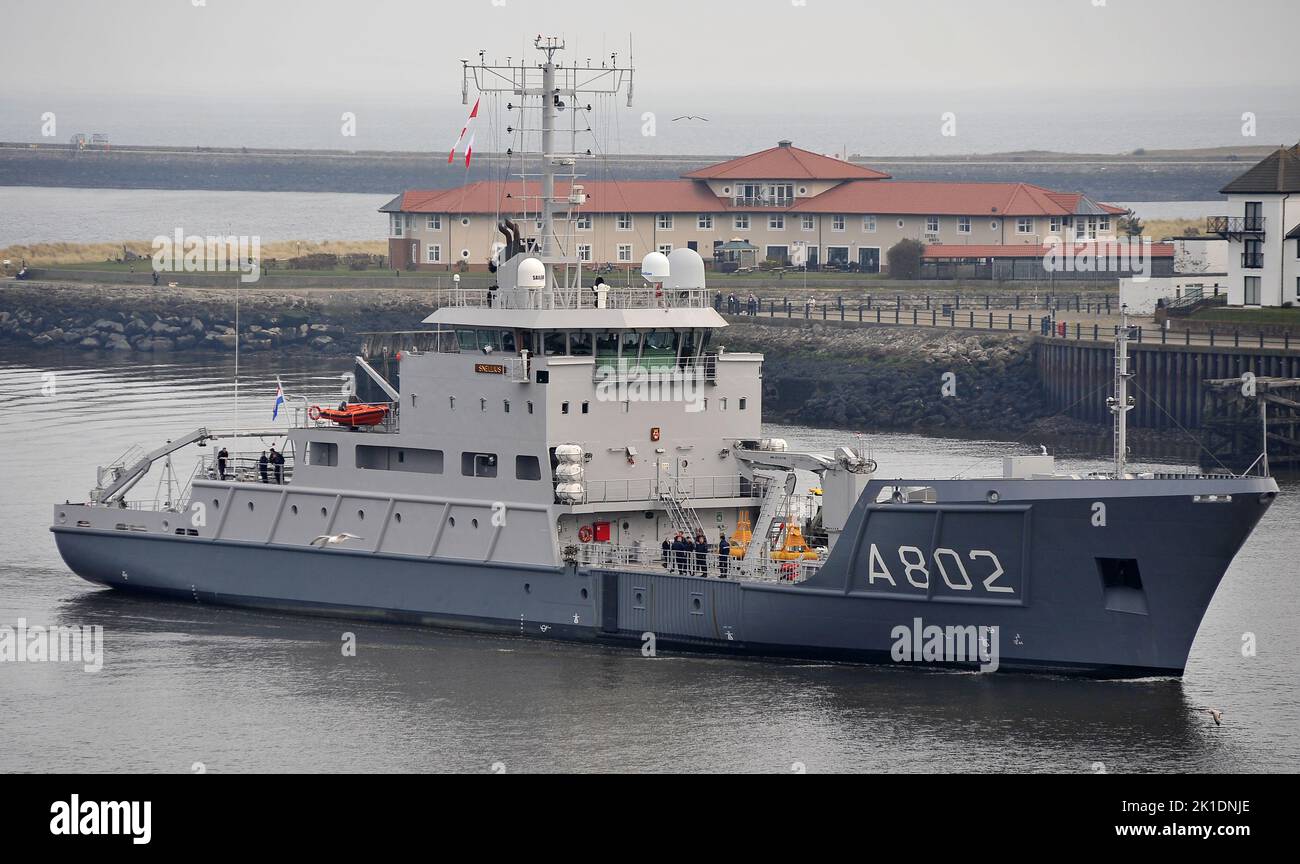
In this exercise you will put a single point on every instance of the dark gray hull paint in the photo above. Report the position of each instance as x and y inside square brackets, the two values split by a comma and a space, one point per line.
[1055, 618]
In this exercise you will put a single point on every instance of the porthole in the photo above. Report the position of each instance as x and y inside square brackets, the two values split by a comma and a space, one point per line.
[293, 508]
[464, 220]
[696, 604]
[250, 506]
[323, 512]
[361, 514]
[473, 523]
[584, 593]
[993, 497]
[464, 253]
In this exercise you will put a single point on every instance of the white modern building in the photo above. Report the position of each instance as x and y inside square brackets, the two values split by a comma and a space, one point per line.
[1263, 232]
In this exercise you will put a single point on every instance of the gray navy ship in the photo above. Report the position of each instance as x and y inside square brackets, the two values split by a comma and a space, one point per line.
[534, 449]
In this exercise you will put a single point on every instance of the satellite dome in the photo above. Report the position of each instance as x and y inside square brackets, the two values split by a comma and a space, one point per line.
[655, 267]
[531, 274]
[687, 268]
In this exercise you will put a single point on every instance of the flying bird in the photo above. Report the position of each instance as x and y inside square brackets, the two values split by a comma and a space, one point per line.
[334, 539]
[1216, 713]
[690, 117]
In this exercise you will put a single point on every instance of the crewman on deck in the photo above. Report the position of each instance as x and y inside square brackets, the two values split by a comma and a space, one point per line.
[724, 555]
[702, 556]
[666, 550]
[261, 467]
[679, 554]
[221, 463]
[277, 461]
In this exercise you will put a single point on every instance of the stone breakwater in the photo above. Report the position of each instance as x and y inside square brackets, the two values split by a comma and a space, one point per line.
[902, 378]
[45, 315]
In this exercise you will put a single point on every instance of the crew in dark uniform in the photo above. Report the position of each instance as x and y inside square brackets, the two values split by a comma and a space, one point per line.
[666, 549]
[261, 467]
[221, 463]
[724, 556]
[277, 461]
[702, 555]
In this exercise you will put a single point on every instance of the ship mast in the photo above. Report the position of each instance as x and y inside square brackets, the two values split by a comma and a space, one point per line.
[557, 87]
[1121, 403]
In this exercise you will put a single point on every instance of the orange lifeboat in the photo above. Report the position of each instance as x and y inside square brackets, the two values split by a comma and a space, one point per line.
[359, 414]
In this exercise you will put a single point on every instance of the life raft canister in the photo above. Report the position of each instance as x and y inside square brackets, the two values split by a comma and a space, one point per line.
[584, 534]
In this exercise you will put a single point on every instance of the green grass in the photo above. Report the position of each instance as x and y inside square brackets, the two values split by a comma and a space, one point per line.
[1250, 316]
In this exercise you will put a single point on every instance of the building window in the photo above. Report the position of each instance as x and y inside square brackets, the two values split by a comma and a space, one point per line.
[931, 224]
[837, 222]
[665, 222]
[584, 222]
[705, 222]
[809, 224]
[1025, 225]
[740, 221]
[869, 224]
[1055, 225]
[1103, 223]
[434, 253]
[625, 252]
[666, 248]
[743, 403]
[1080, 229]
[963, 224]
[434, 223]
[395, 222]
[776, 221]
[623, 222]
[584, 252]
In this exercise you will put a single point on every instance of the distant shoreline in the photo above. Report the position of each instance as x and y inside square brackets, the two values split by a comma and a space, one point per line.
[1156, 175]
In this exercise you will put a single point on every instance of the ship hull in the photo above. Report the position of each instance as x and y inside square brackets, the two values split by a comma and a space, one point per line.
[1050, 607]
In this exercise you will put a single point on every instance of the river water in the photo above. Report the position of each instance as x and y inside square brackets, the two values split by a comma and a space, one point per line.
[186, 687]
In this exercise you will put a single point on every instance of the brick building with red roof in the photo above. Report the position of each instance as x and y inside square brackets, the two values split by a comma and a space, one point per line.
[796, 206]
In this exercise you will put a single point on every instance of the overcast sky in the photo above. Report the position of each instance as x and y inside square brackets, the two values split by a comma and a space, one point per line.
[743, 51]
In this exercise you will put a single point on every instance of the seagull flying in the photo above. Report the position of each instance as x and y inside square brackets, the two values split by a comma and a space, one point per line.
[1216, 713]
[334, 539]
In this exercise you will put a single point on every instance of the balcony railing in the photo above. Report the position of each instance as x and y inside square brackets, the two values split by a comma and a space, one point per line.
[1252, 260]
[1226, 225]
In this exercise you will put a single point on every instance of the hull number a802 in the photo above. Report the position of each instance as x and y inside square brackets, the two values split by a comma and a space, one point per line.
[947, 564]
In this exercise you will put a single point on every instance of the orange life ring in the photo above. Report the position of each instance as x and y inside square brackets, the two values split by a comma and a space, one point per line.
[314, 412]
[584, 534]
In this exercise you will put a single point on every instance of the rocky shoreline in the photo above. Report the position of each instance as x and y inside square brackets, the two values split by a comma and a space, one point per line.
[149, 320]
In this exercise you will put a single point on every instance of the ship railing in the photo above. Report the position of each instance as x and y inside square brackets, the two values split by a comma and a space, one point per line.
[244, 467]
[651, 489]
[652, 558]
[615, 297]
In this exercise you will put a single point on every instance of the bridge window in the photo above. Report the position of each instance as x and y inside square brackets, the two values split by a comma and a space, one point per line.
[527, 468]
[580, 344]
[413, 459]
[322, 453]
[553, 344]
[478, 464]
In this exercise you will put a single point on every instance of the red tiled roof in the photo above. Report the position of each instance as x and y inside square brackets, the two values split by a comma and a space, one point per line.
[785, 162]
[931, 198]
[1030, 250]
[636, 196]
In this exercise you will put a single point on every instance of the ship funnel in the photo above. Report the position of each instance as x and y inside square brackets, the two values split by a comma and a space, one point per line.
[655, 267]
[531, 274]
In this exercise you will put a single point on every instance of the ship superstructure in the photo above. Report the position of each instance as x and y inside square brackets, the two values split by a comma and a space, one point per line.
[534, 449]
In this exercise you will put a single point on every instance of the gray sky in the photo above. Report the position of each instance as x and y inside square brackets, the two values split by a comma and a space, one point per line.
[745, 51]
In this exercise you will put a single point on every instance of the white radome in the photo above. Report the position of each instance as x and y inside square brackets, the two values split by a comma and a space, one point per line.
[531, 274]
[655, 267]
[686, 269]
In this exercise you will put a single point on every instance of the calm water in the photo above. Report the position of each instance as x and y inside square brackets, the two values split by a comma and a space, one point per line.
[248, 691]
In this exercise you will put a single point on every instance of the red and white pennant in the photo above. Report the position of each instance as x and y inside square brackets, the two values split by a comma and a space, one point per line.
[469, 148]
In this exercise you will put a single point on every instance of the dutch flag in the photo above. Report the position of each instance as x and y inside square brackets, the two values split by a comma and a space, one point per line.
[279, 398]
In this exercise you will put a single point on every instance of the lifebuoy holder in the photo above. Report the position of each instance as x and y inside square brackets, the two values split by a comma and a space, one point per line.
[314, 412]
[585, 534]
